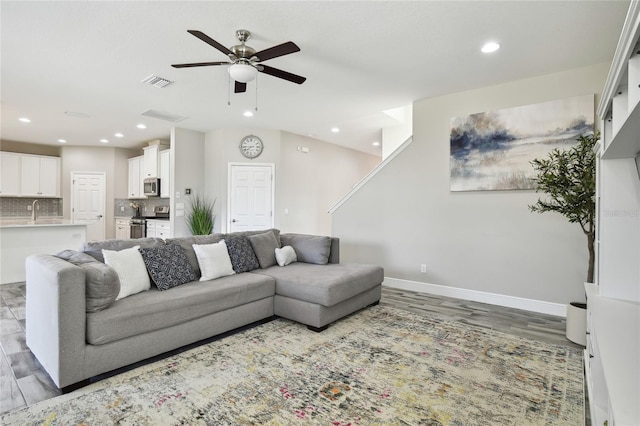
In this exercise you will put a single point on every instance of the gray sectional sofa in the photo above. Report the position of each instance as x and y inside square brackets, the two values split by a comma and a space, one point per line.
[77, 331]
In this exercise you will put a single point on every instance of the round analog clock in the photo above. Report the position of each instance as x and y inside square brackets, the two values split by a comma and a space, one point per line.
[251, 146]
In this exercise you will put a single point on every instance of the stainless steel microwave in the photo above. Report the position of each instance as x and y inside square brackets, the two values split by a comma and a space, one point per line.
[152, 187]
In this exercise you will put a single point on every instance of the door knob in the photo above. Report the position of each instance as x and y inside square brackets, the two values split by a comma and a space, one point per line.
[99, 216]
[233, 221]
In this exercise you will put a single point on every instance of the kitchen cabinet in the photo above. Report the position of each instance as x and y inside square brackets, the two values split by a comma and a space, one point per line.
[123, 230]
[136, 177]
[165, 174]
[158, 228]
[151, 161]
[9, 174]
[39, 176]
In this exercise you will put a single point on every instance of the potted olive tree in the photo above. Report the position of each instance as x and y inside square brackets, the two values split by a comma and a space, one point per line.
[200, 217]
[568, 177]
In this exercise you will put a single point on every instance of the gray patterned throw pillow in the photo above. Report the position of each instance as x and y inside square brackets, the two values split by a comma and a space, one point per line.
[168, 265]
[243, 258]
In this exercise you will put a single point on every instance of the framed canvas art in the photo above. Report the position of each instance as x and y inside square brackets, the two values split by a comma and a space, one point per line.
[492, 150]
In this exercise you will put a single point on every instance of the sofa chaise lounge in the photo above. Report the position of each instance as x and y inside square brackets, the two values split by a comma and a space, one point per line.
[75, 339]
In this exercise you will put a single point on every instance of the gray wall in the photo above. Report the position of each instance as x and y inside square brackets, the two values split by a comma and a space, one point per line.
[306, 185]
[187, 165]
[405, 215]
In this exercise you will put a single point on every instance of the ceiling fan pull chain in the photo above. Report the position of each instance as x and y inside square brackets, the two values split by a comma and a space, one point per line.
[256, 94]
[229, 89]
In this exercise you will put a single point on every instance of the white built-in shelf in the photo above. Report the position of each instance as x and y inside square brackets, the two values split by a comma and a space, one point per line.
[616, 326]
[626, 141]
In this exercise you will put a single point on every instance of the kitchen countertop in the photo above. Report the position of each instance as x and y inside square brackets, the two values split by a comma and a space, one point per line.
[44, 221]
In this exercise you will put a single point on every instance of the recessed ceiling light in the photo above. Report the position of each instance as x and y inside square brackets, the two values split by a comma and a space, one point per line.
[62, 141]
[335, 129]
[248, 114]
[24, 120]
[489, 47]
[118, 135]
[104, 140]
[141, 126]
[376, 143]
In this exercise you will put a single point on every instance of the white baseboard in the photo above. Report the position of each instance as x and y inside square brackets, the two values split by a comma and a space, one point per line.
[540, 306]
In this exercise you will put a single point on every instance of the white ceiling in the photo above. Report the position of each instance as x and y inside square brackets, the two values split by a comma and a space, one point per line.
[359, 57]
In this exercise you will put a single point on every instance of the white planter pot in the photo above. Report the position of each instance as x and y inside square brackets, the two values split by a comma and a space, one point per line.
[577, 323]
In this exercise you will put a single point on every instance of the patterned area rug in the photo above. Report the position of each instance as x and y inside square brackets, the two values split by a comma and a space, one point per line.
[380, 366]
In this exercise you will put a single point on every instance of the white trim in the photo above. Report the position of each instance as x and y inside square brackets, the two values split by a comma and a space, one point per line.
[371, 174]
[556, 309]
[273, 188]
[622, 54]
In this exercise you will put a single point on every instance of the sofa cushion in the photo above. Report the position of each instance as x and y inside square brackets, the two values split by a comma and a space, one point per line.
[243, 258]
[167, 265]
[323, 284]
[187, 244]
[285, 255]
[264, 245]
[102, 284]
[214, 260]
[94, 248]
[155, 310]
[130, 268]
[309, 248]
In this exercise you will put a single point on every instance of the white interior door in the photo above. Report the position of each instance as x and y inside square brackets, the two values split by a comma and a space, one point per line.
[88, 200]
[250, 204]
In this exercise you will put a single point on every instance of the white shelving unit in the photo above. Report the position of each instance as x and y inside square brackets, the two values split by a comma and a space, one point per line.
[612, 355]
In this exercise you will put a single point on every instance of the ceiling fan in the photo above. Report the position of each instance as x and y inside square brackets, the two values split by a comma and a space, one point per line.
[245, 61]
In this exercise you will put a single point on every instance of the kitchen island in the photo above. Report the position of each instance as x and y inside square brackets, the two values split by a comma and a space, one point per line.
[20, 238]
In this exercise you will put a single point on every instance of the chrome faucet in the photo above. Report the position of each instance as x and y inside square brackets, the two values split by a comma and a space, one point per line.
[33, 210]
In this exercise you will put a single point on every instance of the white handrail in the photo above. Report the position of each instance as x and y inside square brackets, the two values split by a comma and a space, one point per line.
[371, 174]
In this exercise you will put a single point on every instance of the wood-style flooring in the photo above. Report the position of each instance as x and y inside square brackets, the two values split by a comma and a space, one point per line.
[23, 381]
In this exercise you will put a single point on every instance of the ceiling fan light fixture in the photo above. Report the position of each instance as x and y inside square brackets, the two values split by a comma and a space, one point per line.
[243, 73]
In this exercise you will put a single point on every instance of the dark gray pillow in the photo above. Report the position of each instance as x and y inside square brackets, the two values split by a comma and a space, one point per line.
[243, 258]
[102, 284]
[309, 248]
[265, 245]
[94, 248]
[167, 265]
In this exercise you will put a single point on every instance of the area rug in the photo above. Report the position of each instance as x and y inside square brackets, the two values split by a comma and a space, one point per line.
[380, 366]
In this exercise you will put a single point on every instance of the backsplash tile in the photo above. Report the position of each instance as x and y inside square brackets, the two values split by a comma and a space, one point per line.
[17, 207]
[123, 209]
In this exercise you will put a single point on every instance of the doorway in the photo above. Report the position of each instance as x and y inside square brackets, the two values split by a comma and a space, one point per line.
[88, 197]
[250, 202]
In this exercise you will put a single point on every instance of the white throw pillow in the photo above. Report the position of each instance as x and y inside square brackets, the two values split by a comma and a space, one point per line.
[214, 260]
[286, 255]
[131, 270]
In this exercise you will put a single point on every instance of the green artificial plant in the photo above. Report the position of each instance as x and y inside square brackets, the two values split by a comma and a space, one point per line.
[200, 217]
[568, 177]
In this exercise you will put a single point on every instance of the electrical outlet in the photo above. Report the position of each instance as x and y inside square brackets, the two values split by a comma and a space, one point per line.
[28, 207]
[423, 268]
[121, 209]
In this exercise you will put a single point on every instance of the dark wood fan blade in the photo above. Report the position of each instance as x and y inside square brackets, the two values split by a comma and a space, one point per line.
[202, 36]
[282, 74]
[279, 50]
[240, 87]
[199, 64]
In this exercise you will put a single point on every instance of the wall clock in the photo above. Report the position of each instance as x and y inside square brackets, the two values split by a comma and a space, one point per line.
[251, 146]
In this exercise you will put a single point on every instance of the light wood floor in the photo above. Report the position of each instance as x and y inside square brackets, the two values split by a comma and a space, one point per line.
[23, 381]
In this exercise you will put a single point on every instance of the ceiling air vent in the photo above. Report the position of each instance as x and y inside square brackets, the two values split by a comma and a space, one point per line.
[163, 115]
[156, 81]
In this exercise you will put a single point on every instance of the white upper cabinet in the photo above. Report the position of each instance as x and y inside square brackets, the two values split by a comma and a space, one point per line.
[151, 160]
[9, 174]
[136, 178]
[40, 176]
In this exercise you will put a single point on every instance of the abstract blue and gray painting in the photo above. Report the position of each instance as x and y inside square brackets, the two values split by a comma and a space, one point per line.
[492, 150]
